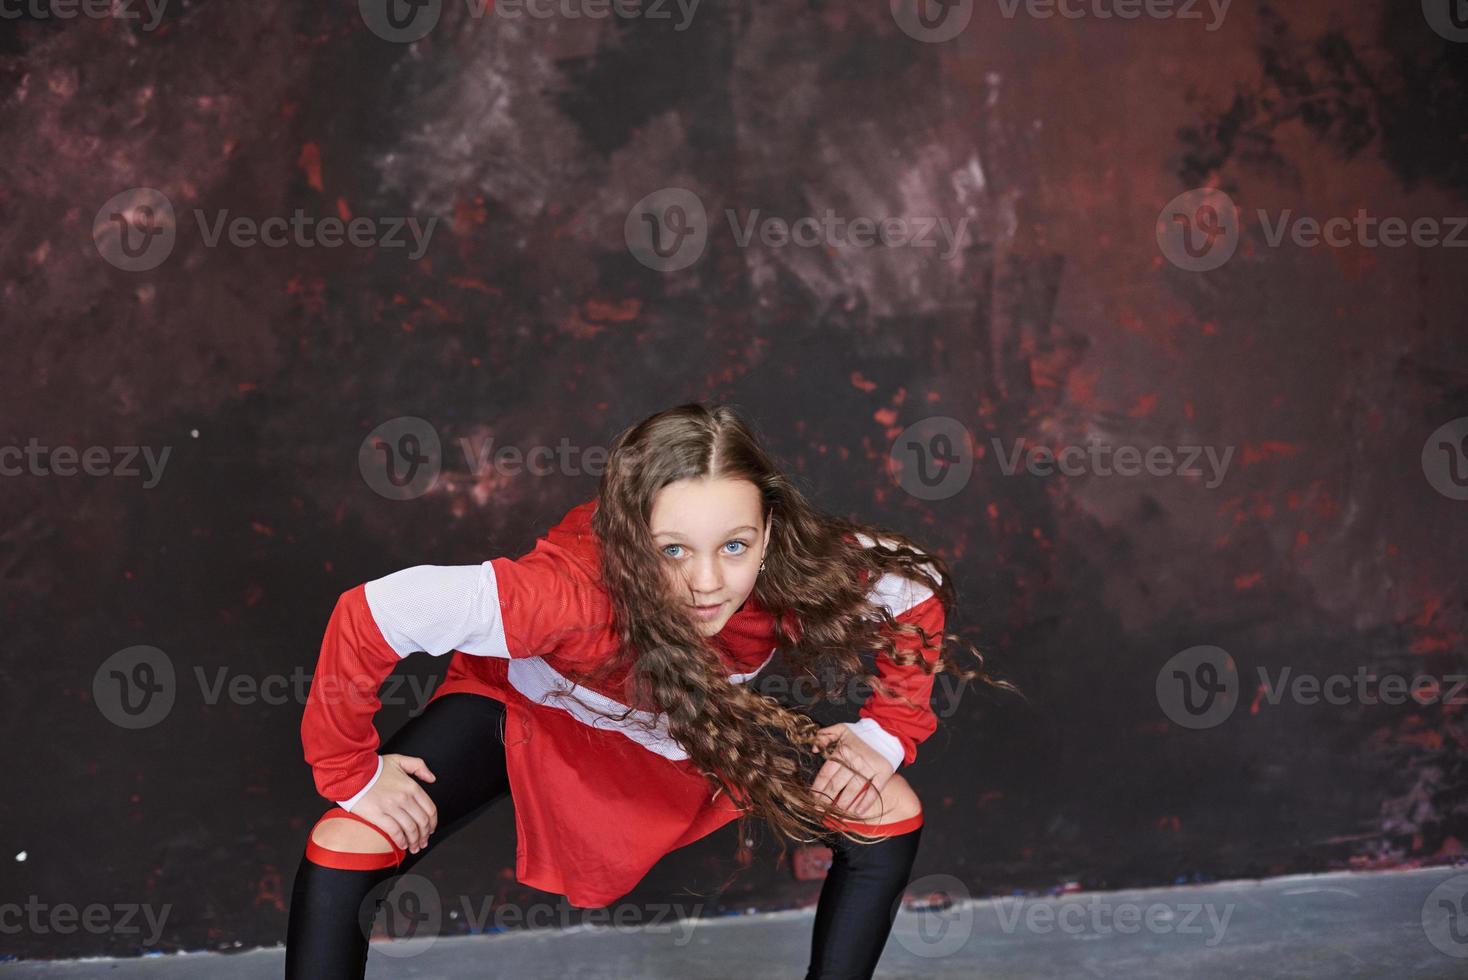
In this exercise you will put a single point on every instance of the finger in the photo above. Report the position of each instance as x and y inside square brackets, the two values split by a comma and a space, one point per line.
[419, 768]
[855, 781]
[822, 782]
[863, 797]
[429, 807]
[429, 813]
[422, 820]
[409, 824]
[395, 828]
[872, 793]
[837, 787]
[847, 798]
[415, 818]
[831, 733]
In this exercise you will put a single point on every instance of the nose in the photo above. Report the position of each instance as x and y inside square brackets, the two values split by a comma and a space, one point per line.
[706, 579]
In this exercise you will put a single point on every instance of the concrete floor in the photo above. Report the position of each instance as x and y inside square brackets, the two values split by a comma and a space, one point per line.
[1387, 924]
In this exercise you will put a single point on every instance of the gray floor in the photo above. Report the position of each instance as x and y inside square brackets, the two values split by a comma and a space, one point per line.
[1387, 924]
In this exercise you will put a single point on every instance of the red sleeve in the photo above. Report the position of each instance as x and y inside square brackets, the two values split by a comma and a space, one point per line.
[910, 723]
[549, 603]
[499, 608]
[337, 733]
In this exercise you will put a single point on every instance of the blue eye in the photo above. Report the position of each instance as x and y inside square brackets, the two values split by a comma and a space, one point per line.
[742, 548]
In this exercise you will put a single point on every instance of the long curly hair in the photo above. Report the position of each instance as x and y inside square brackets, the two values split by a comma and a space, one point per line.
[817, 574]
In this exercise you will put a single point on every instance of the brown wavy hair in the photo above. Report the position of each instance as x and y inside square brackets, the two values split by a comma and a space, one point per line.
[764, 754]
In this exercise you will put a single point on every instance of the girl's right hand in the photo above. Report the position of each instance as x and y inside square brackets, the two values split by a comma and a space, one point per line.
[398, 804]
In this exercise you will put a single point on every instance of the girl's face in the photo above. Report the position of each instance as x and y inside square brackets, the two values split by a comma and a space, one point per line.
[711, 540]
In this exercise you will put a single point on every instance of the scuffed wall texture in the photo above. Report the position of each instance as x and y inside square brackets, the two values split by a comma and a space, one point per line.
[1329, 543]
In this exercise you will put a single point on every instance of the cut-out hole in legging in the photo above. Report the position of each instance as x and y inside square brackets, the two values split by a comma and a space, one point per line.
[459, 737]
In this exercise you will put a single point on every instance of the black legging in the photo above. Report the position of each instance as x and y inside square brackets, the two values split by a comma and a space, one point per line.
[458, 736]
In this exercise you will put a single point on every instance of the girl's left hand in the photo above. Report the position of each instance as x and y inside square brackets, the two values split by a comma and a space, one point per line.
[851, 792]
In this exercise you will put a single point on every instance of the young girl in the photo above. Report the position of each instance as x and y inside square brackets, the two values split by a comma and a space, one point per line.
[600, 680]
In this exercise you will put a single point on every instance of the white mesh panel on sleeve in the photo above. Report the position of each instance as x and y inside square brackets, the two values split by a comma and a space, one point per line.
[439, 608]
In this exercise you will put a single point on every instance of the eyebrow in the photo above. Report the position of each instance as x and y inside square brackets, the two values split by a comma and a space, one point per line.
[742, 527]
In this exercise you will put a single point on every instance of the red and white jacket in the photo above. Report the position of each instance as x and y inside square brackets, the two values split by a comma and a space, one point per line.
[597, 801]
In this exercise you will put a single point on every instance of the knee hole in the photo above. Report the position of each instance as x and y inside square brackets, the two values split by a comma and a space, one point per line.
[342, 834]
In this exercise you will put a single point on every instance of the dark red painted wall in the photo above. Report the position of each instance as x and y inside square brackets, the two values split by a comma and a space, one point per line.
[1330, 543]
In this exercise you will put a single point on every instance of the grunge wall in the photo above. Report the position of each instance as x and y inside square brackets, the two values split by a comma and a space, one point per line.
[566, 225]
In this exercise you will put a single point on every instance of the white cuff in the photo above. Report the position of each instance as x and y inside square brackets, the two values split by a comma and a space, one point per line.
[886, 744]
[348, 804]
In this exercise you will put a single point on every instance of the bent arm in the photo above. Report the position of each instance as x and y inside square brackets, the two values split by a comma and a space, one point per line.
[894, 723]
[432, 608]
[522, 607]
